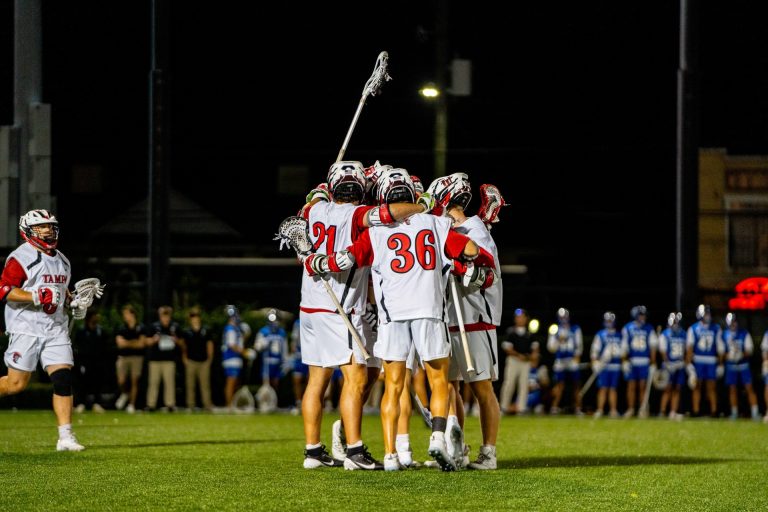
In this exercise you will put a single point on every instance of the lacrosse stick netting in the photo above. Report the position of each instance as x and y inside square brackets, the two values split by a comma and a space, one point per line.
[372, 88]
[85, 291]
[294, 233]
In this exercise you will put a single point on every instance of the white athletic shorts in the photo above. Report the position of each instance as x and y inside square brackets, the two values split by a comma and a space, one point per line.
[429, 336]
[326, 341]
[25, 351]
[484, 352]
[369, 338]
[413, 363]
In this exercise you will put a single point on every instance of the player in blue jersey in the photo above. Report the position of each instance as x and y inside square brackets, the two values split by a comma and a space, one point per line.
[232, 352]
[272, 341]
[638, 343]
[300, 370]
[566, 343]
[606, 362]
[672, 348]
[738, 349]
[705, 348]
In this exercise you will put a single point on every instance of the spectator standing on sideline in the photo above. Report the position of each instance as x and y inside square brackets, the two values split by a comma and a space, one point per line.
[232, 349]
[162, 349]
[197, 355]
[91, 353]
[522, 353]
[131, 343]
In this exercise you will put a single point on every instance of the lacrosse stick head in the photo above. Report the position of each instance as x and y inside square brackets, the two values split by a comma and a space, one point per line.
[85, 291]
[294, 233]
[379, 76]
[491, 203]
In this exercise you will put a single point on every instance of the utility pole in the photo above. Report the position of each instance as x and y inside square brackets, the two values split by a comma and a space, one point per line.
[441, 101]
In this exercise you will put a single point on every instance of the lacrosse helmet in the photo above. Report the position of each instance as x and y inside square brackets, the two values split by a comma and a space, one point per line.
[418, 186]
[232, 312]
[451, 189]
[609, 319]
[703, 312]
[29, 232]
[395, 186]
[346, 180]
[563, 316]
[674, 318]
[372, 175]
[731, 321]
[637, 311]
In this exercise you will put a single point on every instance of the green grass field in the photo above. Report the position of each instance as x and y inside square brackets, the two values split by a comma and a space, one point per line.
[253, 462]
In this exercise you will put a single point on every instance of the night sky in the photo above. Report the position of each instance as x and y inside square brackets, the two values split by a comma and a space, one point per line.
[572, 115]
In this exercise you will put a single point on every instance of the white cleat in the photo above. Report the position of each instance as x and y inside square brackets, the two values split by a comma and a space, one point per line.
[392, 462]
[597, 415]
[438, 451]
[431, 464]
[486, 459]
[338, 441]
[122, 400]
[406, 459]
[455, 443]
[69, 444]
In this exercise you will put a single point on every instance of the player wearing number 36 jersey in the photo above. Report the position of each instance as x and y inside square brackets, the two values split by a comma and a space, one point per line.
[33, 287]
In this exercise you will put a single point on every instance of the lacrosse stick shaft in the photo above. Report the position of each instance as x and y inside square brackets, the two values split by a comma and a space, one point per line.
[647, 395]
[344, 316]
[351, 128]
[422, 410]
[588, 384]
[460, 318]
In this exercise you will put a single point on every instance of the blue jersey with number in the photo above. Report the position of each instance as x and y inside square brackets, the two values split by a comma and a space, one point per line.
[637, 341]
[704, 340]
[275, 343]
[738, 345]
[606, 347]
[566, 343]
[673, 343]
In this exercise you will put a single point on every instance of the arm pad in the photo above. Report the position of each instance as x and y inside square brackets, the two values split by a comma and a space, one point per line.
[380, 216]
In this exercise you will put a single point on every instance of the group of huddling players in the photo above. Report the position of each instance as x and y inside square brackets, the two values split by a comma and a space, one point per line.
[397, 258]
[668, 358]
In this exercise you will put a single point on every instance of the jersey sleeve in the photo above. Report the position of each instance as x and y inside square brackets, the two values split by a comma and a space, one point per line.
[13, 276]
[596, 346]
[362, 250]
[358, 221]
[749, 346]
[454, 244]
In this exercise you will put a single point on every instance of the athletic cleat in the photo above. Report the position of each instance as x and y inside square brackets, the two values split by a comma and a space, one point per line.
[406, 459]
[439, 452]
[130, 409]
[486, 459]
[122, 400]
[554, 411]
[97, 408]
[614, 414]
[597, 415]
[454, 445]
[360, 458]
[392, 462]
[319, 458]
[338, 441]
[463, 462]
[69, 444]
[431, 464]
[629, 413]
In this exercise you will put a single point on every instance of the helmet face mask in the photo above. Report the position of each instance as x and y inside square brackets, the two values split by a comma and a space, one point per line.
[731, 321]
[637, 312]
[395, 186]
[453, 189]
[674, 318]
[346, 181]
[40, 228]
[609, 319]
[563, 316]
[703, 313]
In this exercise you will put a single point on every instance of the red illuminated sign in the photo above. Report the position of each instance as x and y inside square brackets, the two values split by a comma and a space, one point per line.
[751, 294]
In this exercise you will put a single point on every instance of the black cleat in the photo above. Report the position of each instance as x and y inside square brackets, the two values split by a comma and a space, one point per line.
[319, 458]
[360, 458]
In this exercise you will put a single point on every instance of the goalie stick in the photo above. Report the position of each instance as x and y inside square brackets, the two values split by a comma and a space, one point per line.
[293, 233]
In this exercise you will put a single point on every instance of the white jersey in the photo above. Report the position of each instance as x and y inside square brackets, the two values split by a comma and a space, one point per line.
[333, 227]
[478, 305]
[41, 270]
[409, 268]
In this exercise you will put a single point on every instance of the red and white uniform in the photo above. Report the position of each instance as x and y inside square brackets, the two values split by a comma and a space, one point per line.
[410, 261]
[481, 311]
[325, 340]
[30, 269]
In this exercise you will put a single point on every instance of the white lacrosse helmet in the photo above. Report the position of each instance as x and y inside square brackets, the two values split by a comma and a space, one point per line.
[451, 189]
[33, 218]
[395, 186]
[418, 186]
[346, 180]
[372, 175]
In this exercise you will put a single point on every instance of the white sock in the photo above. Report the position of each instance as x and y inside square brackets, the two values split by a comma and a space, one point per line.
[735, 411]
[65, 431]
[489, 449]
[403, 442]
[313, 446]
[754, 410]
[355, 445]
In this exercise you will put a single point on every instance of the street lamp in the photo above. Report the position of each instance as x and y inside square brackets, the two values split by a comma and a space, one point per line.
[429, 91]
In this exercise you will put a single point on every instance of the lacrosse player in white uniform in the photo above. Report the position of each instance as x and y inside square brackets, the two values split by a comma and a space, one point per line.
[480, 299]
[336, 220]
[410, 264]
[34, 288]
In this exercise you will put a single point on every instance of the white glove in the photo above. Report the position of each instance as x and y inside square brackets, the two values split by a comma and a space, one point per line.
[46, 295]
[652, 368]
[719, 371]
[597, 366]
[692, 379]
[626, 368]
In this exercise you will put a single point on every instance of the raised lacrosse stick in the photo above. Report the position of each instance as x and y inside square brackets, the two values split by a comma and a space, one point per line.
[460, 318]
[293, 233]
[372, 88]
[85, 291]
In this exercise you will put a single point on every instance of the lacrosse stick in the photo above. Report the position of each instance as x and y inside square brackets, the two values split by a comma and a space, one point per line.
[372, 88]
[85, 291]
[293, 233]
[460, 318]
[425, 414]
[648, 385]
[589, 382]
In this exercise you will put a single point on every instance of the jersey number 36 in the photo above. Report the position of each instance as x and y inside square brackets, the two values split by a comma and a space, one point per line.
[423, 248]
